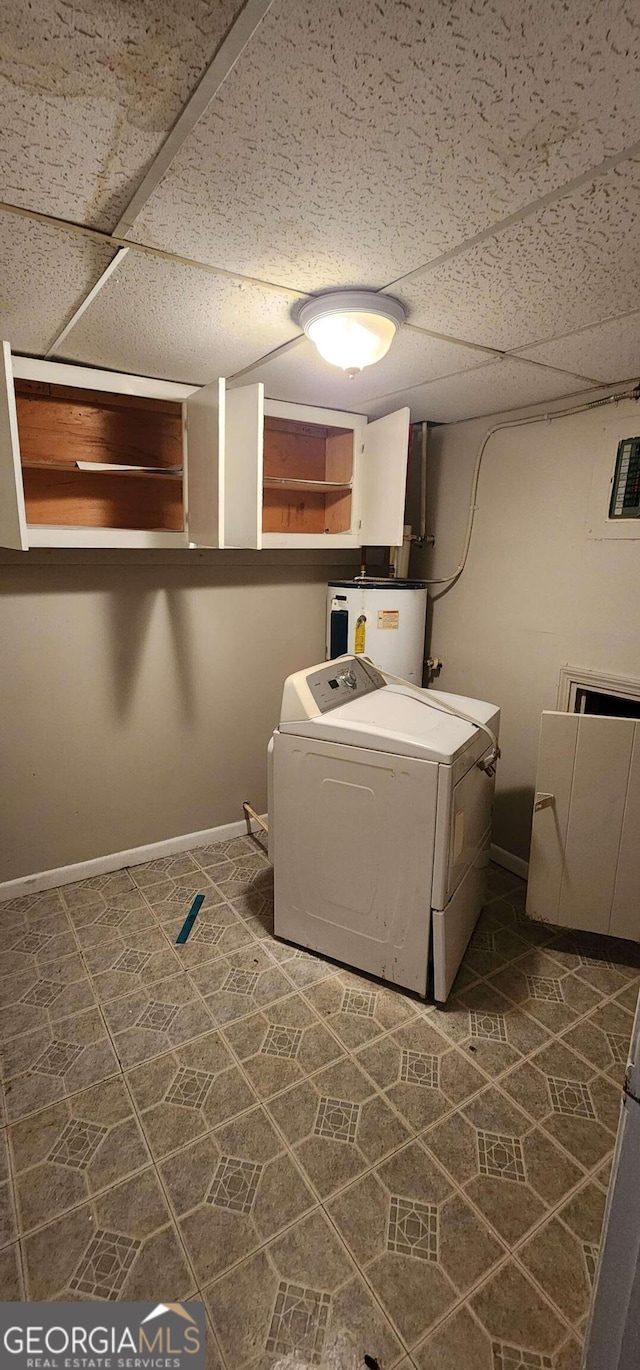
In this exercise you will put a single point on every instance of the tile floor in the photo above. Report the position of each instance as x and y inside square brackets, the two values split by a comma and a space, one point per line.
[335, 1167]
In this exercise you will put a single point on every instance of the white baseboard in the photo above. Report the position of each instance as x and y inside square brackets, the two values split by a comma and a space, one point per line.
[100, 865]
[512, 863]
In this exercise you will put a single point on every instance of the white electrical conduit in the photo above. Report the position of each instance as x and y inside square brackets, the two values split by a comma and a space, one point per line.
[518, 423]
[486, 763]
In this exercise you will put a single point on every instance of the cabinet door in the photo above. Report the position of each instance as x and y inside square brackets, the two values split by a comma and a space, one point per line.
[382, 477]
[241, 480]
[205, 411]
[582, 864]
[13, 522]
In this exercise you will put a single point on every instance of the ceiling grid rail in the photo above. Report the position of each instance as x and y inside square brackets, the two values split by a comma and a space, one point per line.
[233, 44]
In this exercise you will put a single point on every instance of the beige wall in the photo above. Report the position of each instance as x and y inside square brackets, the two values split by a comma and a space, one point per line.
[538, 592]
[138, 692]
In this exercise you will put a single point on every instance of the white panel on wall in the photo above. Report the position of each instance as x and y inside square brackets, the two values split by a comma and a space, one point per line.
[89, 91]
[554, 776]
[159, 318]
[484, 390]
[46, 273]
[356, 142]
[301, 374]
[598, 791]
[610, 351]
[568, 264]
[625, 912]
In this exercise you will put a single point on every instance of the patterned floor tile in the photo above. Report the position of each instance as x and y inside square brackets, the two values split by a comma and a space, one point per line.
[97, 889]
[11, 1282]
[282, 1045]
[64, 1155]
[501, 882]
[43, 904]
[38, 995]
[164, 868]
[156, 1019]
[32, 944]
[419, 1243]
[489, 1027]
[337, 1124]
[578, 1106]
[628, 997]
[462, 1343]
[510, 912]
[562, 1254]
[299, 1301]
[129, 961]
[603, 1038]
[251, 877]
[422, 1075]
[490, 950]
[523, 1327]
[357, 1009]
[172, 899]
[224, 860]
[511, 1171]
[121, 1245]
[546, 990]
[605, 963]
[8, 1224]
[236, 985]
[48, 1065]
[216, 931]
[95, 924]
[303, 967]
[186, 1093]
[233, 1190]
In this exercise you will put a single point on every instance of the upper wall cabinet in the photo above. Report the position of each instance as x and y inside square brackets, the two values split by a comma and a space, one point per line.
[296, 476]
[95, 459]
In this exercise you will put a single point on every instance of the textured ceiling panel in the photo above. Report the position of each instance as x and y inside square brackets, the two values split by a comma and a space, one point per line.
[178, 323]
[353, 142]
[487, 390]
[566, 266]
[89, 90]
[610, 352]
[46, 273]
[301, 374]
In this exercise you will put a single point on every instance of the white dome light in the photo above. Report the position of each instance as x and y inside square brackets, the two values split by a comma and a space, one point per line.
[351, 328]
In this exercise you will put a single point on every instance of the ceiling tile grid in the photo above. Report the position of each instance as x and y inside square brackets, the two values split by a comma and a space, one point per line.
[89, 91]
[569, 264]
[609, 352]
[174, 322]
[352, 143]
[300, 372]
[46, 274]
[489, 389]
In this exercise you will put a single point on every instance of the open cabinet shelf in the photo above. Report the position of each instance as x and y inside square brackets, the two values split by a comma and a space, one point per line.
[307, 476]
[60, 426]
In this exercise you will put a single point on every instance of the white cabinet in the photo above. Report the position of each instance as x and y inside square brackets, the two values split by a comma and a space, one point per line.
[584, 865]
[315, 477]
[91, 458]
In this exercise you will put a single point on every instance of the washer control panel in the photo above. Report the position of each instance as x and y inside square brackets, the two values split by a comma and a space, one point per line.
[342, 680]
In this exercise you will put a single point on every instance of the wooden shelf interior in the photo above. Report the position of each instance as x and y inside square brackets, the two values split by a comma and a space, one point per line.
[60, 425]
[308, 471]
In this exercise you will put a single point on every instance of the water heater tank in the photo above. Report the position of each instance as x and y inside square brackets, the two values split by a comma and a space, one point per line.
[382, 619]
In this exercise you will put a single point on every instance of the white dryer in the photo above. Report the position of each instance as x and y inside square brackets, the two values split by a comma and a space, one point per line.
[380, 822]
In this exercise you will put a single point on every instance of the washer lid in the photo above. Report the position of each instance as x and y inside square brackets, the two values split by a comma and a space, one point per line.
[399, 719]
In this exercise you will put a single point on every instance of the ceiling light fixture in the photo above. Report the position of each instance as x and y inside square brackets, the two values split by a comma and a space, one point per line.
[351, 328]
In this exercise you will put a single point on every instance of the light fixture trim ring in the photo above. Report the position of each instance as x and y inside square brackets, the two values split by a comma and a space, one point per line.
[350, 302]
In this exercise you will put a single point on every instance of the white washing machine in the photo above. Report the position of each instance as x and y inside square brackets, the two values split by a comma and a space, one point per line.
[380, 821]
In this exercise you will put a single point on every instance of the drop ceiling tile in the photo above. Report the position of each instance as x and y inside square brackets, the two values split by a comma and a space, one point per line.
[159, 318]
[89, 91]
[562, 267]
[609, 352]
[351, 143]
[489, 389]
[45, 274]
[301, 375]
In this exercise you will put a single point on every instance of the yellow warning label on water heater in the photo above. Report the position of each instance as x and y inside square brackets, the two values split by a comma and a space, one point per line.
[389, 618]
[361, 629]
